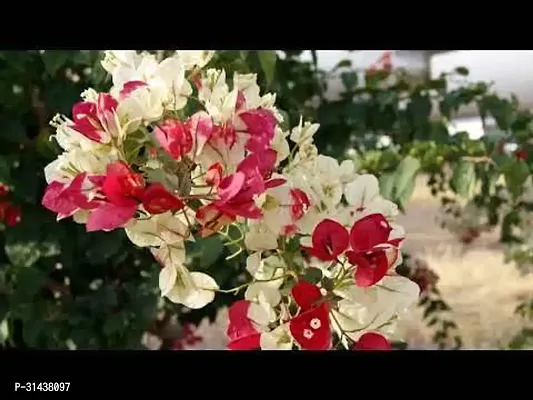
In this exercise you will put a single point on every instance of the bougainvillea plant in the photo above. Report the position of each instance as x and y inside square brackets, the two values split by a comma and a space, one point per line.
[176, 152]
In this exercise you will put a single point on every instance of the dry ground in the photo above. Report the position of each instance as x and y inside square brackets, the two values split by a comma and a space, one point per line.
[481, 289]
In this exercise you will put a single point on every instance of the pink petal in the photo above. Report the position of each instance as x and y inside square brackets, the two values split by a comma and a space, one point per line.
[56, 200]
[109, 216]
[231, 186]
[260, 124]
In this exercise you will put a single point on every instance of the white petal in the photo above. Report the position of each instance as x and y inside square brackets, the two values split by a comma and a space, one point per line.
[253, 261]
[399, 291]
[167, 279]
[270, 294]
[362, 190]
[261, 314]
[198, 297]
[143, 233]
[277, 339]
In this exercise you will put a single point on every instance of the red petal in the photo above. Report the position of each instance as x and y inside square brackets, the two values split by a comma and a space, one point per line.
[331, 238]
[157, 200]
[305, 294]
[12, 215]
[371, 268]
[369, 231]
[264, 162]
[241, 331]
[318, 253]
[109, 216]
[312, 330]
[372, 341]
[106, 103]
[300, 203]
[121, 183]
[83, 110]
[272, 183]
[231, 186]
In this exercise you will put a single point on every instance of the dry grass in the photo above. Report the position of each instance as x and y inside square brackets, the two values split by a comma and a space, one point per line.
[482, 290]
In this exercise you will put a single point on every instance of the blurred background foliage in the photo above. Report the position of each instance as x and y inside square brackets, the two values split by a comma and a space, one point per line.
[62, 288]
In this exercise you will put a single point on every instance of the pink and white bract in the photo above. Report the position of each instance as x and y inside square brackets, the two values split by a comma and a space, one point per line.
[322, 244]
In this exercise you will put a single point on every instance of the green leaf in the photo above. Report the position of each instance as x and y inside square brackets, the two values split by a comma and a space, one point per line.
[102, 246]
[12, 131]
[463, 178]
[54, 59]
[386, 185]
[5, 170]
[313, 275]
[405, 178]
[349, 79]
[462, 71]
[211, 249]
[515, 176]
[268, 58]
[29, 282]
[398, 186]
[346, 63]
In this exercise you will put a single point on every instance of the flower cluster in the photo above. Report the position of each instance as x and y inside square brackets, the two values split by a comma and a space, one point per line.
[9, 213]
[177, 151]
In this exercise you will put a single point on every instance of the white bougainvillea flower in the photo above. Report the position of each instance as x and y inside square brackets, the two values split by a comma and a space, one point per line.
[260, 237]
[270, 273]
[192, 289]
[197, 297]
[70, 139]
[276, 339]
[170, 75]
[194, 58]
[364, 197]
[304, 132]
[374, 308]
[158, 230]
[141, 103]
[114, 59]
[280, 145]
